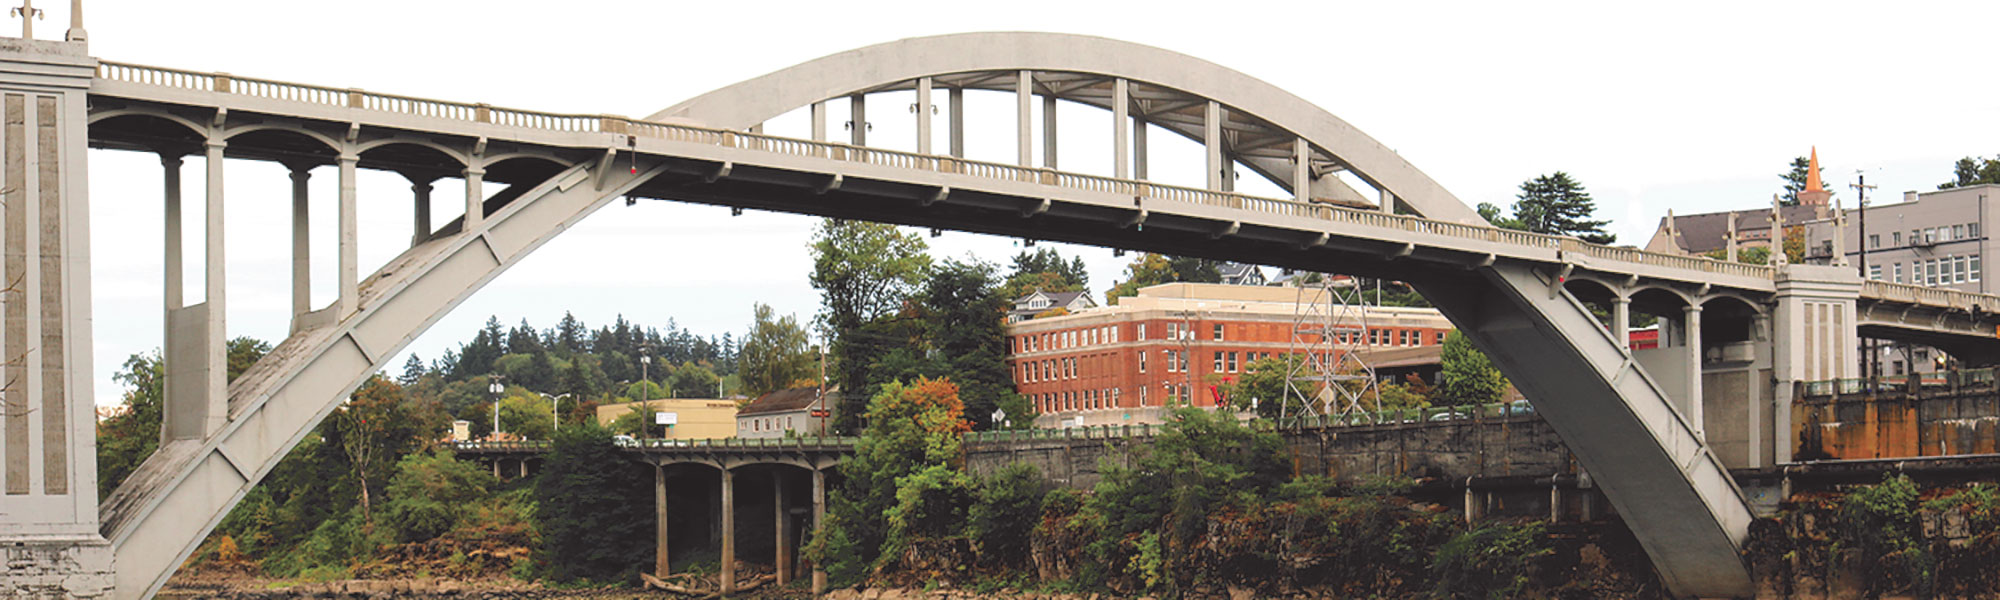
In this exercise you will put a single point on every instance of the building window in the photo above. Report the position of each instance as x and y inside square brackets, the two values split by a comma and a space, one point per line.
[1975, 267]
[1930, 272]
[1896, 238]
[1958, 269]
[1958, 232]
[1896, 272]
[1218, 332]
[1114, 333]
[1875, 272]
[1142, 332]
[1142, 361]
[1142, 395]
[1232, 362]
[1972, 230]
[1218, 363]
[1874, 240]
[1173, 331]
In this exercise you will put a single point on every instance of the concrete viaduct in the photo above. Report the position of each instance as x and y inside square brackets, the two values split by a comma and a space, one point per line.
[1645, 424]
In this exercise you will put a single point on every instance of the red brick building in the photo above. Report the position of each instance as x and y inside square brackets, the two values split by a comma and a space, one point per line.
[1121, 364]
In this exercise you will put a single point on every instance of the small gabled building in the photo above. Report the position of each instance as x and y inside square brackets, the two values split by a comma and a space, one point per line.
[1038, 302]
[1235, 273]
[799, 412]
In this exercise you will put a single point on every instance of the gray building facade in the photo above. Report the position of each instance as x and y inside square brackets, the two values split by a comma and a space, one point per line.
[1931, 239]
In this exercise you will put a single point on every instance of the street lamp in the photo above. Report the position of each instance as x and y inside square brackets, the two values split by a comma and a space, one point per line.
[497, 389]
[553, 404]
[645, 392]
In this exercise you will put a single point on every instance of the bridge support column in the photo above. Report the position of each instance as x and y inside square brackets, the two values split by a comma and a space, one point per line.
[661, 567]
[1138, 148]
[783, 561]
[475, 198]
[422, 228]
[957, 135]
[857, 114]
[1024, 95]
[1049, 130]
[1621, 321]
[49, 524]
[1301, 170]
[923, 115]
[819, 121]
[1121, 128]
[1813, 337]
[350, 256]
[728, 532]
[819, 521]
[1211, 139]
[1691, 330]
[301, 245]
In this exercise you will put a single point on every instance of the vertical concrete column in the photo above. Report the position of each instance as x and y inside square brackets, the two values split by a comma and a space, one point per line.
[857, 115]
[1139, 148]
[1474, 505]
[783, 560]
[1211, 139]
[728, 532]
[1692, 324]
[819, 522]
[1024, 95]
[819, 121]
[957, 122]
[661, 566]
[421, 192]
[1808, 297]
[174, 257]
[1121, 128]
[1302, 170]
[923, 115]
[350, 258]
[475, 197]
[1049, 130]
[301, 244]
[1621, 321]
[216, 382]
[1386, 201]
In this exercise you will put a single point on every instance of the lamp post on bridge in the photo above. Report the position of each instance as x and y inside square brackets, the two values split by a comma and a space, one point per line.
[645, 391]
[554, 412]
[496, 388]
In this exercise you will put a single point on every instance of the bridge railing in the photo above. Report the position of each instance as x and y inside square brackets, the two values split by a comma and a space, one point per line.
[574, 123]
[1928, 296]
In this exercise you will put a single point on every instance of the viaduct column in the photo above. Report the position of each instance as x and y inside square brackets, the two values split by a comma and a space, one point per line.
[728, 531]
[660, 565]
[301, 245]
[1692, 332]
[783, 560]
[48, 520]
[819, 521]
[421, 189]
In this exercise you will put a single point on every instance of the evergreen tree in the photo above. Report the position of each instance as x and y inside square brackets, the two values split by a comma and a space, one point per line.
[523, 339]
[476, 358]
[964, 324]
[1973, 170]
[1556, 204]
[413, 370]
[1795, 180]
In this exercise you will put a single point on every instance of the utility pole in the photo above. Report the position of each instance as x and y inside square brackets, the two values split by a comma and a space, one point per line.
[1861, 187]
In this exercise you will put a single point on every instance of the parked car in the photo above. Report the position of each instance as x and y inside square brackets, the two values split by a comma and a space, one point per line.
[625, 441]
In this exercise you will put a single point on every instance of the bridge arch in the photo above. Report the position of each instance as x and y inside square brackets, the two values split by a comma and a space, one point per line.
[455, 154]
[332, 145]
[754, 101]
[1505, 306]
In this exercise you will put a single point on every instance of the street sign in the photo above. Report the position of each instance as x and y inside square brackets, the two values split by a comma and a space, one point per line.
[821, 413]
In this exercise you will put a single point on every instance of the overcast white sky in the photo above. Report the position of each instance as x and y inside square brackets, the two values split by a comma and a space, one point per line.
[1694, 106]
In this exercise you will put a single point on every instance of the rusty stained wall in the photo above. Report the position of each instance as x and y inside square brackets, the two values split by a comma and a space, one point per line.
[1936, 422]
[1487, 447]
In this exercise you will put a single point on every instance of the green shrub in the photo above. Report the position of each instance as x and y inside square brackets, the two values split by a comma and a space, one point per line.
[430, 492]
[1005, 504]
[1492, 562]
[588, 501]
[1879, 522]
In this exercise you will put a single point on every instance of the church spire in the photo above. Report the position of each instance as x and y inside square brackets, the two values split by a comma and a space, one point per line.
[1812, 173]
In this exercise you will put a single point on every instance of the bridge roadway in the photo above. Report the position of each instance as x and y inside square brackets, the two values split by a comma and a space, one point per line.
[1506, 289]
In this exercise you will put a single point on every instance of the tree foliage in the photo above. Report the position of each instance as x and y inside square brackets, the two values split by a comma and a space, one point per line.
[1468, 377]
[126, 439]
[1795, 180]
[775, 353]
[586, 504]
[865, 272]
[1557, 204]
[1973, 170]
[1151, 269]
[912, 441]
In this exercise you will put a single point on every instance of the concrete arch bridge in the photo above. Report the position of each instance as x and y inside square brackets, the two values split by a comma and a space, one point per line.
[1641, 423]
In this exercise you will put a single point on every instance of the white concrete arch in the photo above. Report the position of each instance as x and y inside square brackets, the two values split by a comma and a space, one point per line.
[757, 100]
[453, 153]
[1756, 308]
[494, 159]
[193, 127]
[331, 144]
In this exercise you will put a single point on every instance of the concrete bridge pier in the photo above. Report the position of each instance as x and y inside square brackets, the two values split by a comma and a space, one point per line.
[48, 520]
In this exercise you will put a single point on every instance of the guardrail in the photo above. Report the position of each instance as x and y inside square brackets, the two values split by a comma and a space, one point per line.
[1928, 296]
[1144, 190]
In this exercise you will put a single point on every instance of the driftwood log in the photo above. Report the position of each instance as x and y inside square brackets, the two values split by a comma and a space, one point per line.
[688, 584]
